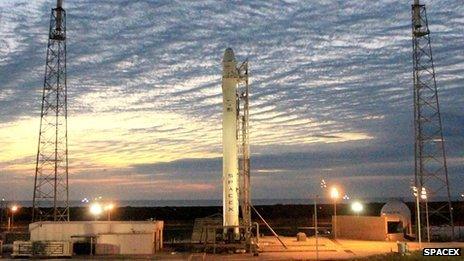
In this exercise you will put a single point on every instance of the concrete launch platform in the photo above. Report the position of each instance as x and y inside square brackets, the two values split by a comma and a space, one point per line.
[272, 250]
[329, 249]
[334, 249]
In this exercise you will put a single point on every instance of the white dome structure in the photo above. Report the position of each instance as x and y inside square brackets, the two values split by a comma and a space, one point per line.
[397, 208]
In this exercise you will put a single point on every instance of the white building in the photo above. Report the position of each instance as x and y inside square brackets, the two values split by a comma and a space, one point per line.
[103, 237]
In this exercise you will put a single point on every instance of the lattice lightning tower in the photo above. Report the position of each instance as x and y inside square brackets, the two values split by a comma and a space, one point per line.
[50, 200]
[431, 171]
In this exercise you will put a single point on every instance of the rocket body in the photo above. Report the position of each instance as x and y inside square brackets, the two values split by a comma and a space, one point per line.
[229, 141]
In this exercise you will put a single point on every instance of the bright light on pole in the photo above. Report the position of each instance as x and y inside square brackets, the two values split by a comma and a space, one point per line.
[323, 184]
[96, 209]
[357, 207]
[423, 194]
[334, 194]
[109, 207]
[13, 210]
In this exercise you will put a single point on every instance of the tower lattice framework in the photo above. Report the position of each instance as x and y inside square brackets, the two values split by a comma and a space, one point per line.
[244, 145]
[50, 199]
[431, 173]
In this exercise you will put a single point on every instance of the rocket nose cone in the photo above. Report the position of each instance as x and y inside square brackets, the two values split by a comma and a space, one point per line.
[229, 55]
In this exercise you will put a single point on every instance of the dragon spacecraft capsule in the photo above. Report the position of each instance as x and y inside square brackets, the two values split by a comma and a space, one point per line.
[230, 78]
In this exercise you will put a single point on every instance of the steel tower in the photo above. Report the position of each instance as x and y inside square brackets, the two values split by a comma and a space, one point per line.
[431, 173]
[244, 145]
[50, 200]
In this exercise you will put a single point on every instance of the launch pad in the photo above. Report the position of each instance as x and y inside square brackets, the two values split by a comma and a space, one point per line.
[236, 234]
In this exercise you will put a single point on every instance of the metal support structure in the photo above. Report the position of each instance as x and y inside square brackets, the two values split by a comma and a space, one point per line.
[334, 226]
[431, 170]
[244, 146]
[50, 199]
[269, 227]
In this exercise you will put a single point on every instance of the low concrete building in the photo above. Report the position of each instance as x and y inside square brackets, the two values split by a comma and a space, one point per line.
[103, 237]
[366, 228]
[393, 224]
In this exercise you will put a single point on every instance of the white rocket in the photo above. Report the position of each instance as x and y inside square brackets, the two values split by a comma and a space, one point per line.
[230, 180]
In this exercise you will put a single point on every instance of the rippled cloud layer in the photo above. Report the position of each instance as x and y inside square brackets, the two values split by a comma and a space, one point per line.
[331, 94]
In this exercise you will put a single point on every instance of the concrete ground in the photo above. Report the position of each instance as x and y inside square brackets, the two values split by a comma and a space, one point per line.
[271, 249]
[328, 249]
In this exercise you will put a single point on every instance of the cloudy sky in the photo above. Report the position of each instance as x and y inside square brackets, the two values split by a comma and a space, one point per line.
[331, 94]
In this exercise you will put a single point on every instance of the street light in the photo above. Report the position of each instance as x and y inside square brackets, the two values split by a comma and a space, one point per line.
[13, 210]
[109, 207]
[334, 194]
[96, 209]
[316, 232]
[357, 207]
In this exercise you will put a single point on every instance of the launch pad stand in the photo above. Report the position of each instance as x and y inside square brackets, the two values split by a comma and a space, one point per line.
[244, 147]
[232, 245]
[243, 92]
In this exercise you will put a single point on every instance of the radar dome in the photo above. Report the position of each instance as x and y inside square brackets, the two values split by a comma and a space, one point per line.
[396, 207]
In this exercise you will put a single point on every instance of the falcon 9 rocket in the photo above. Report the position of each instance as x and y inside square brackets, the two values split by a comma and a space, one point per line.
[230, 78]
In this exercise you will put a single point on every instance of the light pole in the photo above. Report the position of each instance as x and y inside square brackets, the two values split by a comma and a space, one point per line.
[316, 232]
[424, 197]
[2, 211]
[334, 194]
[419, 236]
[108, 209]
[13, 210]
